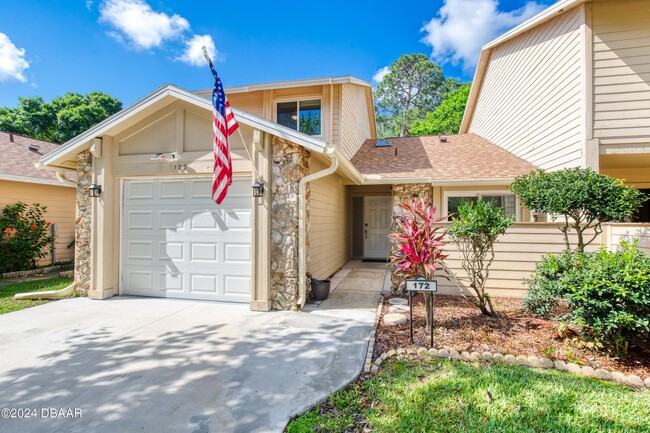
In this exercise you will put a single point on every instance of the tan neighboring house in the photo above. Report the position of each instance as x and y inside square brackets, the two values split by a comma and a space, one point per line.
[21, 180]
[571, 88]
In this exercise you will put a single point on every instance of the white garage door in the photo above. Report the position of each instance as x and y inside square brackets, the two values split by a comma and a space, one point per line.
[177, 243]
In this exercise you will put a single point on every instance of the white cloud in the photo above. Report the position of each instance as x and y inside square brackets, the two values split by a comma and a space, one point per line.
[12, 60]
[144, 27]
[462, 27]
[193, 53]
[380, 74]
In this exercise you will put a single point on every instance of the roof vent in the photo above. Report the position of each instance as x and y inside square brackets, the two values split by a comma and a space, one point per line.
[383, 143]
[33, 146]
[443, 138]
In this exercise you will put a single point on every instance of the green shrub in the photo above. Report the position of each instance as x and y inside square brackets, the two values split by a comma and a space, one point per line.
[609, 295]
[474, 232]
[24, 236]
[547, 287]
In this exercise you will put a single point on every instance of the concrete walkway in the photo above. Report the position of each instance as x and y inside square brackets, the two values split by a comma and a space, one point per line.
[159, 365]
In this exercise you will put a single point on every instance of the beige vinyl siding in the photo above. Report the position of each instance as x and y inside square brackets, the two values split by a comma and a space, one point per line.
[60, 203]
[355, 124]
[531, 97]
[621, 61]
[327, 229]
[614, 233]
[253, 102]
[336, 114]
[516, 255]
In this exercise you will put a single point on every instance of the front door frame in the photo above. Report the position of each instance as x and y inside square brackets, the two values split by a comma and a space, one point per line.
[388, 202]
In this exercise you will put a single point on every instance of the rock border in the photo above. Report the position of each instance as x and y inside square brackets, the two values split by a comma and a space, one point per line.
[630, 380]
[373, 336]
[35, 271]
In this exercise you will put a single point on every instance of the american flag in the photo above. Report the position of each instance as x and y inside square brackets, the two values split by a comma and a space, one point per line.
[223, 125]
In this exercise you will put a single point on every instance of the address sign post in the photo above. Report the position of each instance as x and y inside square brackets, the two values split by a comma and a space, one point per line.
[421, 284]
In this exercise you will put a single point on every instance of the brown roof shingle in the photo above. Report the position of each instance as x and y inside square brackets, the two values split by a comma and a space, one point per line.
[16, 159]
[464, 156]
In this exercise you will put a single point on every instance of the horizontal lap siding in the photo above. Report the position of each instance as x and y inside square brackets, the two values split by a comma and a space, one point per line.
[516, 255]
[60, 203]
[530, 101]
[327, 230]
[355, 126]
[628, 232]
[621, 43]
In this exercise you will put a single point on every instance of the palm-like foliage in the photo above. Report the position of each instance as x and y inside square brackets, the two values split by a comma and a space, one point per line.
[418, 244]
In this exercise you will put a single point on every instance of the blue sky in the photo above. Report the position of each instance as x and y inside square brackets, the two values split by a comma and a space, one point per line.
[128, 48]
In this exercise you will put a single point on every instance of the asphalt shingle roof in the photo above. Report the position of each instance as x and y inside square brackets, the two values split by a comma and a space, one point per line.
[17, 159]
[464, 156]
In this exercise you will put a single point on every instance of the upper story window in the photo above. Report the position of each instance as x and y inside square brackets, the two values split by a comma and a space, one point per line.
[303, 116]
[507, 202]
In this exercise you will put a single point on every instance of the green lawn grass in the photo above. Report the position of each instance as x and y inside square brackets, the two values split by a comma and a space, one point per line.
[434, 395]
[7, 304]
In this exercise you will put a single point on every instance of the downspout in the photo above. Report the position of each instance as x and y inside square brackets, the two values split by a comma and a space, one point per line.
[60, 176]
[302, 227]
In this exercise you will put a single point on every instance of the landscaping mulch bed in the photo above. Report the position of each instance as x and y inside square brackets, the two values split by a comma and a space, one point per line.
[459, 325]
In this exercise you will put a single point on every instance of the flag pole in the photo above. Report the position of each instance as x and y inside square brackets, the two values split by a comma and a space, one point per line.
[241, 136]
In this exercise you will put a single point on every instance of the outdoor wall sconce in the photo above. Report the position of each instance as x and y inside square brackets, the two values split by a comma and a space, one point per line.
[258, 189]
[95, 190]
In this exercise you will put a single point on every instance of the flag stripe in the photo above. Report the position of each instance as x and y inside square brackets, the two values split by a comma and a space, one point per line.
[223, 125]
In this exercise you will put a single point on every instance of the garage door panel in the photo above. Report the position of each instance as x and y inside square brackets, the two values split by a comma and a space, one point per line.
[177, 243]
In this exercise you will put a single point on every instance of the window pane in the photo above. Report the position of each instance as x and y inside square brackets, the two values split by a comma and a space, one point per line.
[453, 203]
[505, 202]
[288, 114]
[310, 117]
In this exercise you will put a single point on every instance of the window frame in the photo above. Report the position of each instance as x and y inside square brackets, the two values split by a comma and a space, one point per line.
[479, 194]
[297, 101]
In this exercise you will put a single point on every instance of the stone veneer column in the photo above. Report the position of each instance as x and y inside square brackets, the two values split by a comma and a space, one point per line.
[83, 224]
[407, 192]
[290, 164]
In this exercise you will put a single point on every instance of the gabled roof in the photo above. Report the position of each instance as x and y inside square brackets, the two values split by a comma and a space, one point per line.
[170, 92]
[18, 161]
[322, 81]
[461, 158]
[484, 59]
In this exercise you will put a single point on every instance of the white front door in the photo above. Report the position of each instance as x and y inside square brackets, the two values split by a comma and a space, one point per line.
[377, 224]
[176, 242]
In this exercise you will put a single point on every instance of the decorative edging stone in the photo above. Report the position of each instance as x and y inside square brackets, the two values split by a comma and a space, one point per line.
[630, 380]
[35, 271]
[373, 334]
[67, 274]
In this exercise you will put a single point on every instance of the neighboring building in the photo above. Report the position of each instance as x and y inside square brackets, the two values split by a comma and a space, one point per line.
[22, 180]
[571, 88]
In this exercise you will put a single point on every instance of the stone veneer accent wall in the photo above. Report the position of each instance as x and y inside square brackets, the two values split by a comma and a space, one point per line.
[83, 224]
[290, 164]
[406, 192]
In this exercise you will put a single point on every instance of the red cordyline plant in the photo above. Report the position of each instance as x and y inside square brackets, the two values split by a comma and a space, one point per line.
[418, 245]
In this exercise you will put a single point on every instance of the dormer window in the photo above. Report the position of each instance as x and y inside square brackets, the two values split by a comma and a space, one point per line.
[303, 115]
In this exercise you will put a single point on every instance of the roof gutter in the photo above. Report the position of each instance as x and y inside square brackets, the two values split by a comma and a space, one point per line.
[302, 226]
[60, 176]
[473, 182]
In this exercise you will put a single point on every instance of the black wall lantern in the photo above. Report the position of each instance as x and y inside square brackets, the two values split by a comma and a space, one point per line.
[95, 190]
[258, 189]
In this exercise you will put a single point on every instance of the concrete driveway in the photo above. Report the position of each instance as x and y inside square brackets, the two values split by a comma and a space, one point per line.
[160, 365]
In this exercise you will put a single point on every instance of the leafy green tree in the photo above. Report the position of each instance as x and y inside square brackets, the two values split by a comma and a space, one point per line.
[61, 119]
[446, 118]
[474, 232]
[413, 86]
[585, 199]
